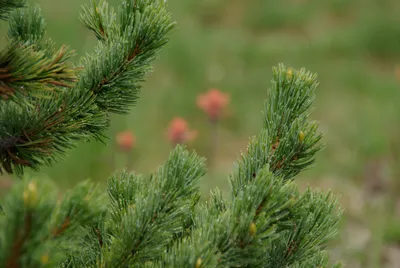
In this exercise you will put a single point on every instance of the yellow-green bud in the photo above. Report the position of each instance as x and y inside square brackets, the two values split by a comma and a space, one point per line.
[198, 262]
[301, 136]
[44, 259]
[30, 195]
[253, 229]
[289, 74]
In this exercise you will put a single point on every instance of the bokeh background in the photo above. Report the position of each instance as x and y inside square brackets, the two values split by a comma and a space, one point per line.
[231, 45]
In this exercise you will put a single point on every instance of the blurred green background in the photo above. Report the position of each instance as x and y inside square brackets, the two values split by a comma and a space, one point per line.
[354, 46]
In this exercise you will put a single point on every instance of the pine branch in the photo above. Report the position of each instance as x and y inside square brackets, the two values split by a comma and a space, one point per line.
[268, 223]
[29, 65]
[145, 214]
[289, 141]
[51, 121]
[27, 26]
[259, 227]
[154, 220]
[148, 211]
[7, 6]
[44, 131]
[87, 252]
[19, 242]
[202, 247]
[122, 59]
[62, 228]
[35, 232]
[318, 260]
[75, 209]
[24, 222]
[314, 222]
[101, 19]
[26, 72]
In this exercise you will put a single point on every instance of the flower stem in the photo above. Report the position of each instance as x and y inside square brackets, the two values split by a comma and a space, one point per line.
[213, 142]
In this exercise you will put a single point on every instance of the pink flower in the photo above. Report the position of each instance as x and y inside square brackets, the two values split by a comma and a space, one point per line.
[126, 140]
[178, 131]
[213, 103]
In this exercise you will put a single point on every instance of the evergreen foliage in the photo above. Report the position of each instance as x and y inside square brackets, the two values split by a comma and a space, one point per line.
[46, 104]
[6, 6]
[151, 220]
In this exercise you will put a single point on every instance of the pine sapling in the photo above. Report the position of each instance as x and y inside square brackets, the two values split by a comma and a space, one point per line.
[154, 220]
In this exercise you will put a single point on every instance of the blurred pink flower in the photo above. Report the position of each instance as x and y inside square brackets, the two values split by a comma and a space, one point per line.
[126, 140]
[178, 131]
[213, 102]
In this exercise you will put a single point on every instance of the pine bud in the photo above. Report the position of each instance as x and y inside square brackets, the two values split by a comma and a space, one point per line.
[44, 259]
[198, 263]
[301, 136]
[253, 229]
[289, 74]
[30, 195]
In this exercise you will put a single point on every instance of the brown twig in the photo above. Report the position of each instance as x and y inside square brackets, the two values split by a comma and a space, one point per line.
[7, 148]
[17, 160]
[61, 54]
[13, 260]
[3, 70]
[5, 91]
[99, 237]
[59, 84]
[63, 227]
[260, 207]
[292, 247]
[4, 74]
[275, 145]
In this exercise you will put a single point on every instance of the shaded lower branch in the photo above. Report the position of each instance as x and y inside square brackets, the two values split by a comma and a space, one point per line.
[13, 259]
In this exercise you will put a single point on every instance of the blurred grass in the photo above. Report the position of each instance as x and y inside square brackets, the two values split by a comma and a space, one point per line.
[354, 46]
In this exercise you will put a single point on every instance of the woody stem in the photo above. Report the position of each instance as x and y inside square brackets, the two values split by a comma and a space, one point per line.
[129, 159]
